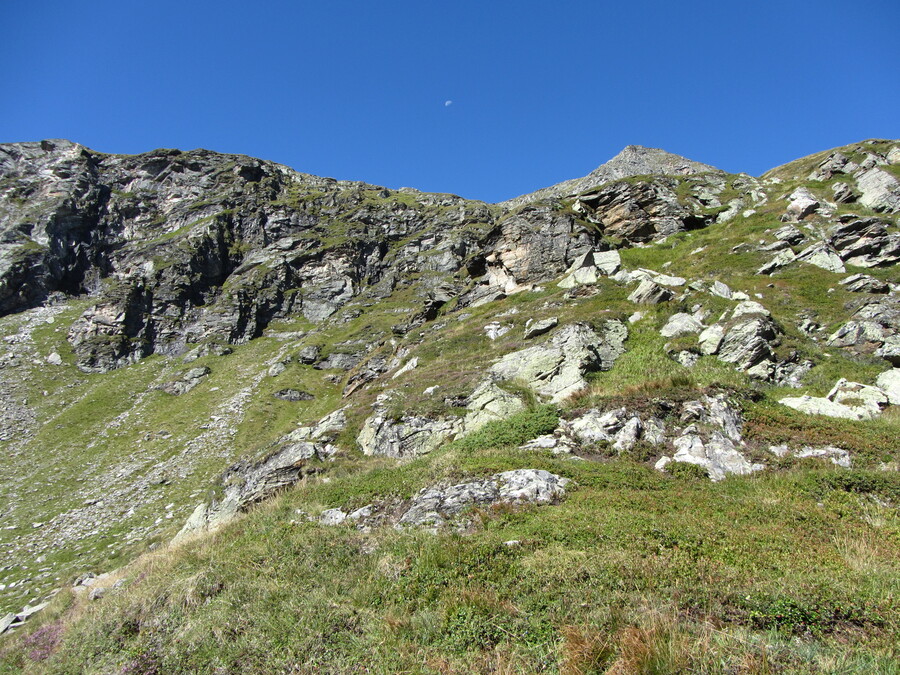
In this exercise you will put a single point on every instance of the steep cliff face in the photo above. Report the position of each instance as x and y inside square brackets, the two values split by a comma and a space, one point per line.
[184, 247]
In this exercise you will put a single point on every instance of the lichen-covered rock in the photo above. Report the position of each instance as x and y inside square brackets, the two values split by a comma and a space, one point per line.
[489, 403]
[556, 370]
[435, 505]
[406, 437]
[748, 341]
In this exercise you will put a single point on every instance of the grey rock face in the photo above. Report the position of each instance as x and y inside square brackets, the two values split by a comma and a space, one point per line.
[293, 395]
[407, 437]
[155, 237]
[556, 370]
[880, 190]
[435, 505]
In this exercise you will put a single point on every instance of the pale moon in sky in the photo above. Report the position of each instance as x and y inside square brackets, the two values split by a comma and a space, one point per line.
[448, 103]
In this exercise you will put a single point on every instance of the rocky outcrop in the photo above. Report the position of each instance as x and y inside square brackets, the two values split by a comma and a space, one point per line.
[865, 242]
[557, 369]
[192, 247]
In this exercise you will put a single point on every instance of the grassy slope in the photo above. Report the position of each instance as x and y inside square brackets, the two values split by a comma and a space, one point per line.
[633, 565]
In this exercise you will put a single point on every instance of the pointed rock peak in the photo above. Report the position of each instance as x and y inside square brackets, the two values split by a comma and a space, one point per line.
[633, 160]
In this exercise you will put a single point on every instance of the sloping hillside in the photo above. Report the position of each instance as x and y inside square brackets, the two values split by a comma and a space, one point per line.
[643, 421]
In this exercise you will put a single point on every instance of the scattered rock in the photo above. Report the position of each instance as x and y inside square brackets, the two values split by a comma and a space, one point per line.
[308, 355]
[822, 256]
[681, 324]
[837, 456]
[293, 395]
[711, 339]
[332, 517]
[410, 365]
[496, 329]
[802, 204]
[782, 259]
[843, 193]
[535, 328]
[186, 382]
[748, 342]
[790, 235]
[650, 293]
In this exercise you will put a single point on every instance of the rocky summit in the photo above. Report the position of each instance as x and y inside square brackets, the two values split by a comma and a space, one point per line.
[255, 420]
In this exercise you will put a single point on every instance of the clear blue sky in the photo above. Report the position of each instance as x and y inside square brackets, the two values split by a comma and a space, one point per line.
[540, 91]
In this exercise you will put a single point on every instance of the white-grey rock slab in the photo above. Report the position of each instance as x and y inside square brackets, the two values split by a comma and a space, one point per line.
[880, 190]
[822, 255]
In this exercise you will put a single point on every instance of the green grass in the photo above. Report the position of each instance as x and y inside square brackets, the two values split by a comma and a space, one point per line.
[616, 573]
